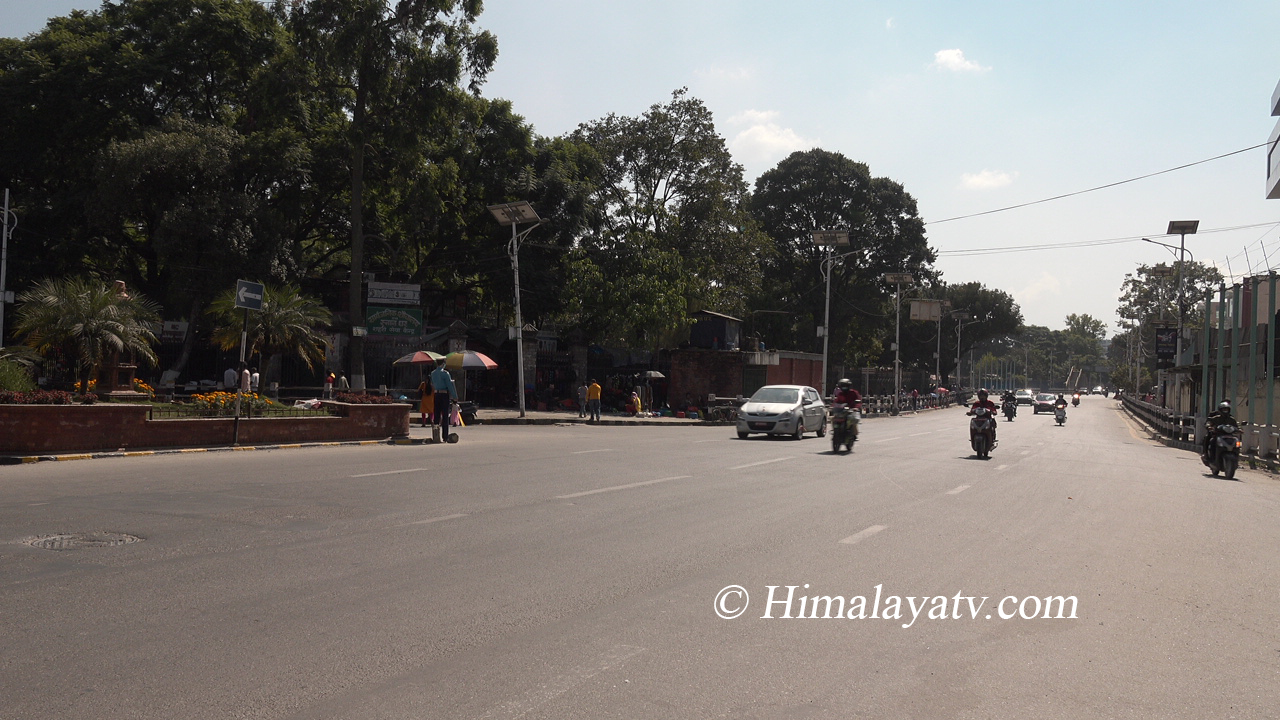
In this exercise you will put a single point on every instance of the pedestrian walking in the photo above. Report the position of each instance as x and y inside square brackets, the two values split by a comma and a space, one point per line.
[593, 401]
[343, 385]
[230, 379]
[245, 378]
[582, 399]
[253, 380]
[445, 394]
[328, 386]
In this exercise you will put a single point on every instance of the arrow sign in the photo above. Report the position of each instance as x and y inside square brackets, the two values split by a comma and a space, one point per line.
[248, 295]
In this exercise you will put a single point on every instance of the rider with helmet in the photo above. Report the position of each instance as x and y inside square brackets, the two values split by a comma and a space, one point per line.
[1221, 417]
[846, 394]
[983, 402]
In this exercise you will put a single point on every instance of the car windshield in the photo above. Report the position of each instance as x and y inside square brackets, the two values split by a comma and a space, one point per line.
[776, 395]
[1046, 396]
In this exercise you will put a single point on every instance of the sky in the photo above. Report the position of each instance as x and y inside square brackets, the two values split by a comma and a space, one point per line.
[972, 107]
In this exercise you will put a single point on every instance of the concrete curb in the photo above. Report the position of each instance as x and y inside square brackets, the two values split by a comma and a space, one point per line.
[26, 459]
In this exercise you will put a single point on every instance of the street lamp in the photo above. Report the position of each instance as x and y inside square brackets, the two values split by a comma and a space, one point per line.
[829, 239]
[898, 279]
[1182, 228]
[4, 258]
[514, 214]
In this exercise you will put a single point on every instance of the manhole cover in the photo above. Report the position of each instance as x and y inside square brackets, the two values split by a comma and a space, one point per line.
[73, 541]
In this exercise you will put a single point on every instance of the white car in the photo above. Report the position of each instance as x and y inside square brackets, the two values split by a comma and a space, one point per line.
[783, 410]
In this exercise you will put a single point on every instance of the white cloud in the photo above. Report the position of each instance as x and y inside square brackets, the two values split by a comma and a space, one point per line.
[1046, 284]
[763, 140]
[987, 180]
[888, 24]
[955, 61]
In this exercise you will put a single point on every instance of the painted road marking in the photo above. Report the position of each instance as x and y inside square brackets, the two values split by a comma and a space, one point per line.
[859, 537]
[959, 490]
[552, 688]
[1002, 467]
[1026, 452]
[585, 452]
[889, 439]
[919, 434]
[428, 521]
[615, 488]
[390, 472]
[762, 462]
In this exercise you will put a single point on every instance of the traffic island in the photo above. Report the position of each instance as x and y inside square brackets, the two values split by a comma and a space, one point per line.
[47, 430]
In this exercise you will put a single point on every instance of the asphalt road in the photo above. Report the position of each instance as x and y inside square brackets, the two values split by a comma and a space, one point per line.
[577, 571]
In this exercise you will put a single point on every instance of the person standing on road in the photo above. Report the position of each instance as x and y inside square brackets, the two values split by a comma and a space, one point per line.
[427, 401]
[582, 399]
[445, 393]
[593, 401]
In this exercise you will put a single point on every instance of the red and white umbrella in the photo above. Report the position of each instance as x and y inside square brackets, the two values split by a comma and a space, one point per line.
[469, 359]
[419, 357]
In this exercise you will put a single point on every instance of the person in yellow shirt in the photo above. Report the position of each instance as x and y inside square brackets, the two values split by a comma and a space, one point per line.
[593, 401]
[634, 404]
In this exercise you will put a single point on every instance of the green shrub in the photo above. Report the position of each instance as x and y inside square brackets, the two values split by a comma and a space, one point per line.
[15, 378]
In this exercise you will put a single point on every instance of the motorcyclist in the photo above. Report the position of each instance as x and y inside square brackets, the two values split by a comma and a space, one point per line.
[1221, 417]
[983, 402]
[1008, 396]
[846, 394]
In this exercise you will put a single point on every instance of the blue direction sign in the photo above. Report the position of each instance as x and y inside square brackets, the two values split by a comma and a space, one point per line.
[248, 295]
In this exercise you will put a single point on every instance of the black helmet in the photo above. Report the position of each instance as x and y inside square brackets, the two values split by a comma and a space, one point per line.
[844, 383]
[1224, 406]
[983, 393]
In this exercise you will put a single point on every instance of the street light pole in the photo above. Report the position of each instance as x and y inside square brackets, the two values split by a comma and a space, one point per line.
[897, 279]
[1182, 228]
[4, 259]
[830, 239]
[514, 214]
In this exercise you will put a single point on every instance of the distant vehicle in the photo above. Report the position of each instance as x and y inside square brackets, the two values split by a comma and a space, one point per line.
[1025, 397]
[1097, 390]
[783, 410]
[1044, 403]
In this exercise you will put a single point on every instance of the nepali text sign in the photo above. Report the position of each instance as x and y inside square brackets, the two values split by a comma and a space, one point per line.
[394, 294]
[394, 321]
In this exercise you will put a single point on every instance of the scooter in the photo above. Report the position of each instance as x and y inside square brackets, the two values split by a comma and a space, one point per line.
[982, 432]
[1224, 451]
[844, 427]
[1075, 400]
[1010, 409]
[1060, 414]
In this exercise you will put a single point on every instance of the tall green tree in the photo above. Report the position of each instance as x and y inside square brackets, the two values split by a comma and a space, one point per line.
[822, 190]
[667, 187]
[1149, 298]
[385, 71]
[88, 320]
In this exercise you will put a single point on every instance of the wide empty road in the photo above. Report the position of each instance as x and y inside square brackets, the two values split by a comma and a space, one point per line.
[581, 572]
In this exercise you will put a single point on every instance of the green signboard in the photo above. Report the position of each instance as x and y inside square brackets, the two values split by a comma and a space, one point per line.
[394, 321]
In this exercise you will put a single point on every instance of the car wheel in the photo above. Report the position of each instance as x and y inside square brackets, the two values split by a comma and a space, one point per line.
[822, 428]
[743, 435]
[799, 433]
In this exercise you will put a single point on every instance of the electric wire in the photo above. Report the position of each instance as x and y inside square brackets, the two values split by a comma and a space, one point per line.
[1094, 189]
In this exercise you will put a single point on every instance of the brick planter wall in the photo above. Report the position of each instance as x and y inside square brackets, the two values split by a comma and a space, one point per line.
[36, 429]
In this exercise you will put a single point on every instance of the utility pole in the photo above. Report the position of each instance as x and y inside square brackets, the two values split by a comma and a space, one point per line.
[4, 260]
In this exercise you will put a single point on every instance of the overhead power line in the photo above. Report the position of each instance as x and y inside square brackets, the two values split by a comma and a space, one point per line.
[1000, 250]
[1093, 189]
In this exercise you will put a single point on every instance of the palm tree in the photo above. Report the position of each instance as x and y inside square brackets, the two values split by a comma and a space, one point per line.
[288, 322]
[89, 320]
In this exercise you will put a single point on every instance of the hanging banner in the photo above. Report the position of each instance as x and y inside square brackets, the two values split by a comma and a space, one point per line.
[1166, 347]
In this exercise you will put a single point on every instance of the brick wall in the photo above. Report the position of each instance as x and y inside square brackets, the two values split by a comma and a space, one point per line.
[34, 429]
[697, 373]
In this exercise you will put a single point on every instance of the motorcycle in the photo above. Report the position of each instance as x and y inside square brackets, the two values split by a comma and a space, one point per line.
[1060, 414]
[1224, 451]
[1010, 409]
[844, 427]
[1075, 400]
[982, 432]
